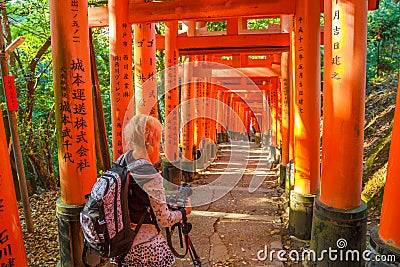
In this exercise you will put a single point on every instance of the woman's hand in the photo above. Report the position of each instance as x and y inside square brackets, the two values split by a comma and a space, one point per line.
[188, 206]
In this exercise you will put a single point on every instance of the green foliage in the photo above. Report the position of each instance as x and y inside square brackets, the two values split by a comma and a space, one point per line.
[102, 53]
[216, 26]
[253, 24]
[257, 24]
[36, 123]
[383, 40]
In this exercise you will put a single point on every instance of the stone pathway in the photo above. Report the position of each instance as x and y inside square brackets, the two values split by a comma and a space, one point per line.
[240, 212]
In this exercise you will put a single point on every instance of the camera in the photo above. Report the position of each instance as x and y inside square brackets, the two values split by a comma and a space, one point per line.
[180, 199]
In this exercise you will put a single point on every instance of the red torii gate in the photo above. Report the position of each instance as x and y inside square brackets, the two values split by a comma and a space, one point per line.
[180, 10]
[71, 76]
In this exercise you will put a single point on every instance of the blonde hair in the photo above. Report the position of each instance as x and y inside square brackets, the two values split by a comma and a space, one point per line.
[142, 132]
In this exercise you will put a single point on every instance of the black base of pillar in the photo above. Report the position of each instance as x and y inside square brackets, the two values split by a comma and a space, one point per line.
[207, 154]
[301, 215]
[289, 181]
[388, 255]
[200, 161]
[278, 154]
[340, 230]
[275, 154]
[265, 140]
[272, 153]
[282, 175]
[69, 234]
[213, 151]
[225, 137]
[220, 138]
[290, 176]
[257, 139]
[188, 170]
[172, 173]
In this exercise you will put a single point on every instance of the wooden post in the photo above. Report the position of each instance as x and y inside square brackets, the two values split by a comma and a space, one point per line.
[344, 82]
[12, 108]
[242, 120]
[207, 108]
[171, 164]
[247, 120]
[171, 92]
[292, 100]
[12, 245]
[145, 73]
[74, 121]
[340, 211]
[307, 116]
[236, 118]
[285, 128]
[279, 117]
[220, 113]
[265, 123]
[121, 79]
[273, 100]
[200, 91]
[187, 114]
[187, 111]
[231, 121]
[385, 240]
[102, 149]
[213, 111]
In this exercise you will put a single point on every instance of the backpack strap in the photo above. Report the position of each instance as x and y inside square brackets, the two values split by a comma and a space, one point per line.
[135, 232]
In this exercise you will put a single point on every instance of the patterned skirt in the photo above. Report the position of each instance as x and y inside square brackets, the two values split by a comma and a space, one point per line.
[155, 253]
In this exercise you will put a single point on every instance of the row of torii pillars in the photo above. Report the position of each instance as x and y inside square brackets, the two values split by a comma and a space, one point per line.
[330, 200]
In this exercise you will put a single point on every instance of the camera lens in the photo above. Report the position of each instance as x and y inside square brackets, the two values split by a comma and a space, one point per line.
[185, 190]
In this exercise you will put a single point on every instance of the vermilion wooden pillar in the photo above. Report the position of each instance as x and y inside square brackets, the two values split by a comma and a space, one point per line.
[220, 114]
[285, 103]
[386, 241]
[187, 115]
[279, 117]
[238, 120]
[121, 87]
[145, 73]
[187, 111]
[171, 93]
[339, 211]
[292, 100]
[207, 108]
[171, 163]
[307, 117]
[12, 245]
[265, 123]
[200, 111]
[230, 117]
[247, 120]
[74, 120]
[273, 100]
[225, 116]
[213, 110]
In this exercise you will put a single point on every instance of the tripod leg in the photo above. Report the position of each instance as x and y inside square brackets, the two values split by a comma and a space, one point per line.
[180, 235]
[193, 254]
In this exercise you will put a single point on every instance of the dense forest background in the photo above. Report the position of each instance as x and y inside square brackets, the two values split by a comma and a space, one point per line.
[31, 65]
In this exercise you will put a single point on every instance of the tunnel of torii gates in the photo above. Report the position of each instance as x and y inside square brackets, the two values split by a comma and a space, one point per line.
[278, 93]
